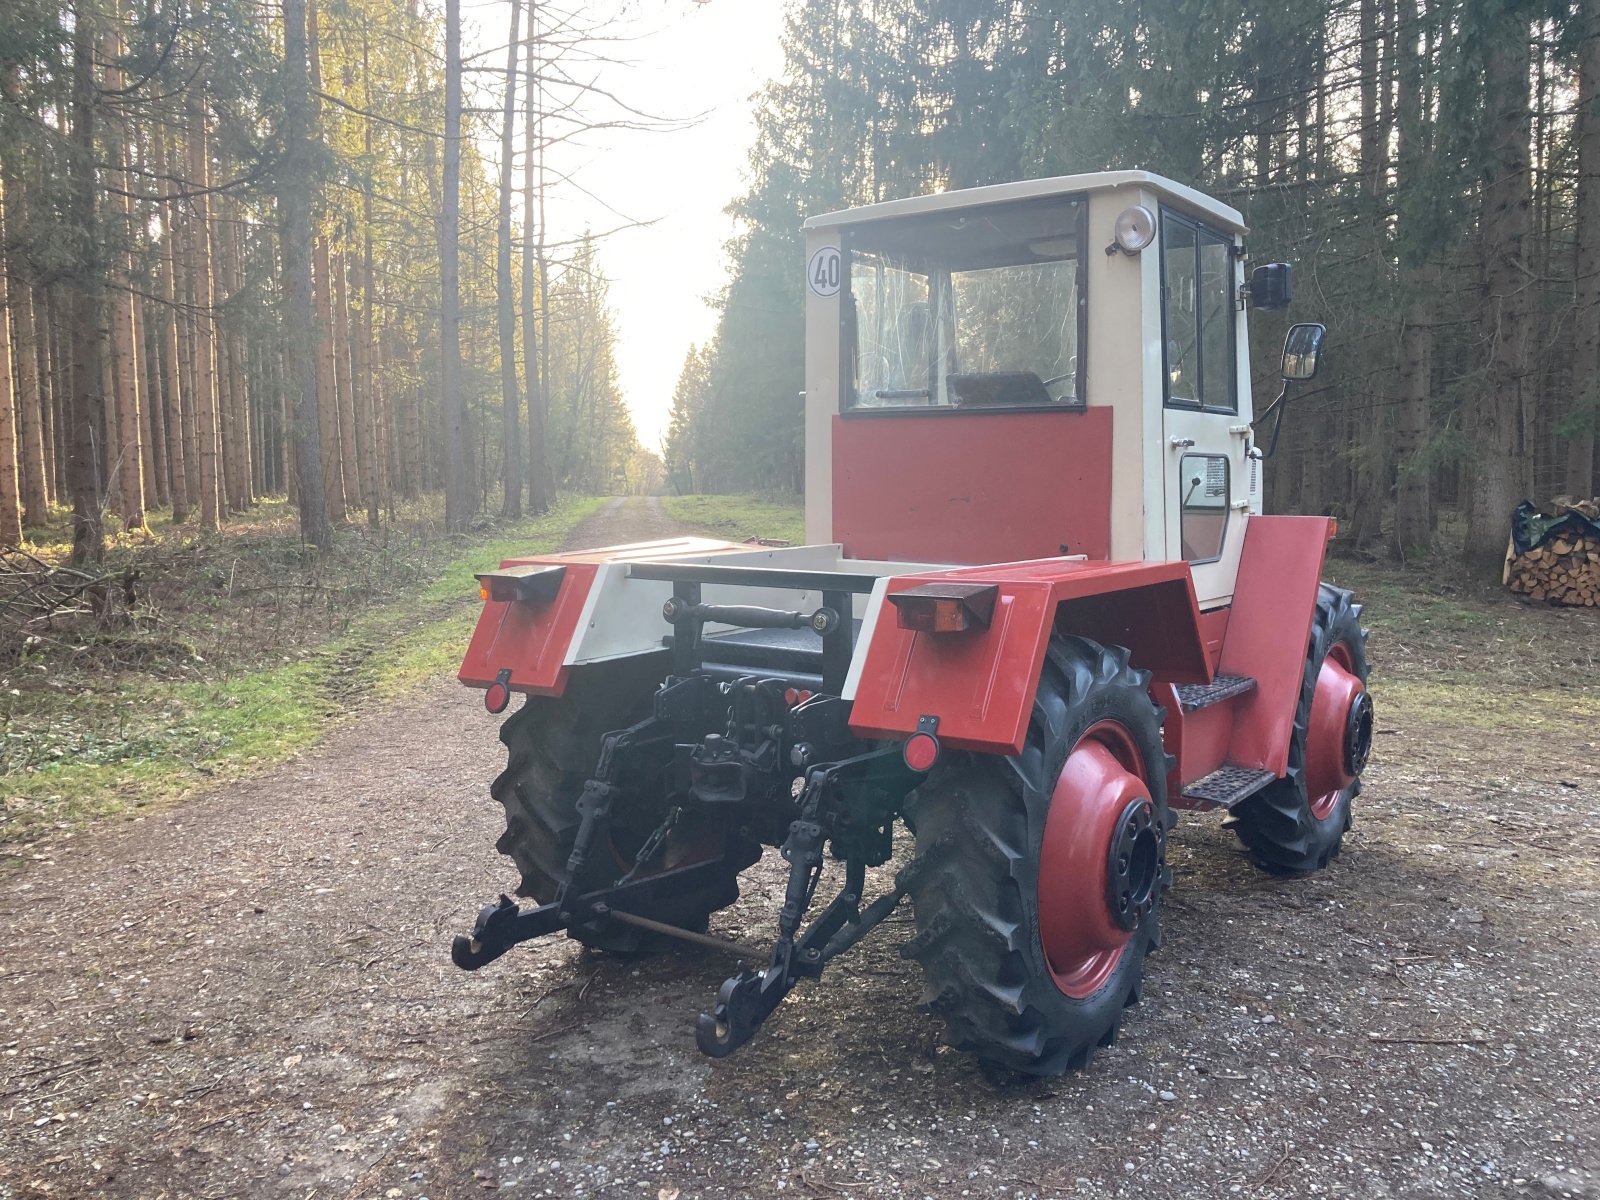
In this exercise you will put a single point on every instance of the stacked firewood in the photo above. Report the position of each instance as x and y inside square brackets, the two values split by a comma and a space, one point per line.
[1565, 569]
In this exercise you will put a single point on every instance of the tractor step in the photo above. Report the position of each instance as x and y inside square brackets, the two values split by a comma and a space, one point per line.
[1203, 695]
[1226, 786]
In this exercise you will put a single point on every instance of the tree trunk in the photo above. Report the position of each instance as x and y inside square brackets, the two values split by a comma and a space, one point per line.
[32, 449]
[154, 424]
[167, 293]
[1505, 316]
[235, 429]
[333, 480]
[88, 541]
[335, 487]
[52, 380]
[510, 399]
[368, 401]
[300, 314]
[538, 470]
[10, 485]
[188, 341]
[456, 495]
[205, 341]
[1579, 476]
[344, 373]
[129, 467]
[1413, 519]
[361, 376]
[154, 458]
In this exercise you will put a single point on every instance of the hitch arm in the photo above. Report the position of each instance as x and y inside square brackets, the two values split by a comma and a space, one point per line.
[748, 998]
[503, 924]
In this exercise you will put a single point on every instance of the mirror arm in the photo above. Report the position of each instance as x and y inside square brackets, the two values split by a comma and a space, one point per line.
[1277, 426]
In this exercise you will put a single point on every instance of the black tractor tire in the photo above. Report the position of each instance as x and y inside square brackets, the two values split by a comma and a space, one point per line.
[979, 822]
[553, 747]
[1278, 825]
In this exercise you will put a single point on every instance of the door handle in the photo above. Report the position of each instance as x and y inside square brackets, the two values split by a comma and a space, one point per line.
[1181, 443]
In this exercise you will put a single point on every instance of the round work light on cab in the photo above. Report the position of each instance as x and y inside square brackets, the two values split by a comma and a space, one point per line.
[1135, 229]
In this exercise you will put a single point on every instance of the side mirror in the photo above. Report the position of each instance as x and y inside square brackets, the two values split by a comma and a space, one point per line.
[1301, 350]
[1272, 286]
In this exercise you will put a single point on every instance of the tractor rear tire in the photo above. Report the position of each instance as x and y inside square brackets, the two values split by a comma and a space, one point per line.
[984, 932]
[1286, 829]
[553, 746]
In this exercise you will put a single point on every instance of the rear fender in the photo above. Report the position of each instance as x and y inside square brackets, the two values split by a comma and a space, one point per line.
[980, 682]
[529, 640]
[599, 613]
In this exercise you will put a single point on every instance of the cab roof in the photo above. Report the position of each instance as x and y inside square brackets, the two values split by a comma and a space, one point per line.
[1027, 189]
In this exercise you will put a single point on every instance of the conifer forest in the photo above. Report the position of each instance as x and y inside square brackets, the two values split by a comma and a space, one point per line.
[300, 248]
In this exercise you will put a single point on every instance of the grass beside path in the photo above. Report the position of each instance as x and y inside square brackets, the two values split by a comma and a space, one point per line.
[739, 518]
[83, 737]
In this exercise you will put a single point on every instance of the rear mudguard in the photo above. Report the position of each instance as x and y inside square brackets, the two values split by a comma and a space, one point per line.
[980, 682]
[537, 641]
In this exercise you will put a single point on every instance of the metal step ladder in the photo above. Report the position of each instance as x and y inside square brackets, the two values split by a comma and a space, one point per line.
[1227, 786]
[1195, 696]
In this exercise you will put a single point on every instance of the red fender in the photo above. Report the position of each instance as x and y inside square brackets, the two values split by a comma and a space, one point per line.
[529, 641]
[1269, 629]
[980, 682]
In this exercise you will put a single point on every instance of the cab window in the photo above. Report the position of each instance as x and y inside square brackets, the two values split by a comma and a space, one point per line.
[1197, 314]
[1203, 505]
[980, 308]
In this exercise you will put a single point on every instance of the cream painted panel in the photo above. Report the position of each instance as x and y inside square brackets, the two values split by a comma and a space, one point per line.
[1117, 365]
[822, 392]
[622, 616]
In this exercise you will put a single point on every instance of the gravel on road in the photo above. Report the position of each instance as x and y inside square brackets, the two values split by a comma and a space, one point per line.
[250, 994]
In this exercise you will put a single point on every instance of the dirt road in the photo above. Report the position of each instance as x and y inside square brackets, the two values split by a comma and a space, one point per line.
[250, 994]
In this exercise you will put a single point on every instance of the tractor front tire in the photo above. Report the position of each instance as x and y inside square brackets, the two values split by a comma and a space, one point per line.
[1038, 878]
[553, 747]
[1297, 824]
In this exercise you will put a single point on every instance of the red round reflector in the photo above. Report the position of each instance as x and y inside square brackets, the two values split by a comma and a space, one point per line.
[921, 751]
[496, 696]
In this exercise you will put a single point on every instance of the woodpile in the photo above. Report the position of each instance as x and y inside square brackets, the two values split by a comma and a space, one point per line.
[1565, 567]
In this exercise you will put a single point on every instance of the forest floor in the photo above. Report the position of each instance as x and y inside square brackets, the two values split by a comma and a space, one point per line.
[250, 993]
[213, 654]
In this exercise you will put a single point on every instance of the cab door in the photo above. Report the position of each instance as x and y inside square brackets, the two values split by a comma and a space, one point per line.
[1206, 480]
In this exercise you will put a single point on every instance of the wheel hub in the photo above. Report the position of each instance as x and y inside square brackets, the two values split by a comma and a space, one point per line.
[1101, 860]
[1339, 732]
[1358, 734]
[1133, 865]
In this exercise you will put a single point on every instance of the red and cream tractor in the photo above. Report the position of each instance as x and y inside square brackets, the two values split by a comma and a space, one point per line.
[1039, 611]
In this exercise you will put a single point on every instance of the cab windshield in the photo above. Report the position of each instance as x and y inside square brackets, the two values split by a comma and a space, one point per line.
[980, 308]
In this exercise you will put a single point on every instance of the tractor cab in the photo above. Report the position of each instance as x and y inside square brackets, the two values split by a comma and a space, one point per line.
[1034, 369]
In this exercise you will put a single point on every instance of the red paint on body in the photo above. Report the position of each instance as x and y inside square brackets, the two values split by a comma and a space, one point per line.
[531, 640]
[1269, 629]
[981, 683]
[972, 487]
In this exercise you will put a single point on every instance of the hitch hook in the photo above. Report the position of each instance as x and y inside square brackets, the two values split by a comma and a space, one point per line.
[488, 940]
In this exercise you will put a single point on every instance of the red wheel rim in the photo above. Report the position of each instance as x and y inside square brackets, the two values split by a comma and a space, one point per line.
[1327, 769]
[1081, 936]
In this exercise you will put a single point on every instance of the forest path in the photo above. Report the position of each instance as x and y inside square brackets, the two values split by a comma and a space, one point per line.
[251, 994]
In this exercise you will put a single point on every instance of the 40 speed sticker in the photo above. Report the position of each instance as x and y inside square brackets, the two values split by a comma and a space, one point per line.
[822, 273]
